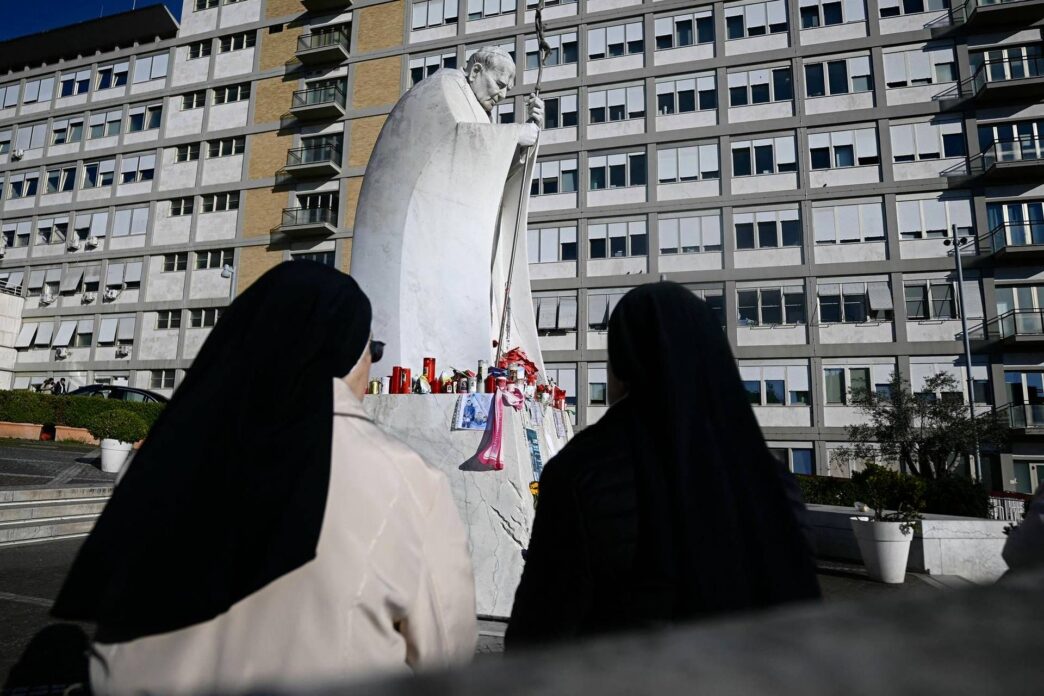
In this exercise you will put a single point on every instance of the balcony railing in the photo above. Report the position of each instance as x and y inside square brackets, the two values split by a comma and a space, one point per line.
[316, 154]
[1015, 324]
[1026, 416]
[319, 96]
[309, 217]
[1008, 235]
[1026, 148]
[993, 12]
[1008, 506]
[325, 46]
[1006, 70]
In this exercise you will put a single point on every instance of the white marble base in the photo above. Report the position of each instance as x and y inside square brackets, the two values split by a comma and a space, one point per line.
[496, 506]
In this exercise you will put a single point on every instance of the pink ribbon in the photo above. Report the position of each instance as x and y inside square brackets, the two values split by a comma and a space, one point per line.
[492, 453]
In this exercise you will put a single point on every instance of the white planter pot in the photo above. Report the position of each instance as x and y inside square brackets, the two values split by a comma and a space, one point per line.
[884, 547]
[114, 455]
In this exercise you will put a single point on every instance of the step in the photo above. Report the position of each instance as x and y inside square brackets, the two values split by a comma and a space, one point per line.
[21, 495]
[33, 530]
[50, 509]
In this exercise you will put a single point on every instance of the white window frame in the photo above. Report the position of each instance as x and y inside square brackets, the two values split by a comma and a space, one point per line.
[863, 142]
[696, 162]
[668, 27]
[630, 96]
[425, 14]
[624, 35]
[628, 230]
[757, 14]
[784, 157]
[698, 233]
[757, 218]
[548, 170]
[615, 159]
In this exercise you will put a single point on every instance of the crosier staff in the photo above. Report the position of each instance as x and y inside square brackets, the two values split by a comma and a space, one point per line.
[544, 51]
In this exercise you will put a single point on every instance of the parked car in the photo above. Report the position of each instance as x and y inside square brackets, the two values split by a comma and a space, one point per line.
[109, 391]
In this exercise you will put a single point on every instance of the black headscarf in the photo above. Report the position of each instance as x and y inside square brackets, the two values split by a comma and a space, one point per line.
[228, 491]
[715, 521]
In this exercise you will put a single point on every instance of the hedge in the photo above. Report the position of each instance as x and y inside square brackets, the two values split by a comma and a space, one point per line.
[953, 495]
[71, 411]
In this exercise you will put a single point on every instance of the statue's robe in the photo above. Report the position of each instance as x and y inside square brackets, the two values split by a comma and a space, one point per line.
[434, 228]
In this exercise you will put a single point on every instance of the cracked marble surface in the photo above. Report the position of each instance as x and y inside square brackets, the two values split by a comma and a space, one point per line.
[496, 506]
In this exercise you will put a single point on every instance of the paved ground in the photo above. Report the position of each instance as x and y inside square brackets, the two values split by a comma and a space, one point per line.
[29, 463]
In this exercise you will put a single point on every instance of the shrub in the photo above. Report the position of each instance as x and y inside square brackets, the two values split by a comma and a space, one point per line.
[118, 424]
[826, 490]
[886, 489]
[28, 407]
[71, 411]
[956, 495]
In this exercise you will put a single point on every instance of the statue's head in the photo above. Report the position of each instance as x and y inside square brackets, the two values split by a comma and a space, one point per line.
[491, 73]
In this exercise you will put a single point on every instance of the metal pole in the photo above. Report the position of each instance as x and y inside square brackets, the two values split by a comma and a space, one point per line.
[967, 345]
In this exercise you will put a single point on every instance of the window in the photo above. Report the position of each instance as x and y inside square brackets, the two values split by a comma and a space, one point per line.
[327, 258]
[767, 229]
[22, 185]
[617, 170]
[66, 131]
[755, 19]
[552, 244]
[115, 75]
[216, 258]
[921, 66]
[841, 223]
[205, 4]
[555, 314]
[894, 8]
[226, 147]
[72, 83]
[504, 112]
[429, 65]
[433, 13]
[597, 380]
[231, 93]
[203, 318]
[163, 379]
[616, 104]
[564, 377]
[692, 163]
[137, 168]
[933, 217]
[838, 149]
[771, 306]
[833, 77]
[930, 299]
[690, 234]
[922, 369]
[564, 51]
[61, 179]
[16, 234]
[148, 68]
[181, 206]
[131, 221]
[618, 239]
[187, 153]
[52, 230]
[855, 302]
[5, 141]
[217, 202]
[200, 49]
[104, 125]
[194, 100]
[559, 112]
[600, 306]
[39, 91]
[615, 41]
[760, 86]
[237, 42]
[684, 30]
[477, 9]
[31, 137]
[175, 262]
[94, 224]
[844, 384]
[142, 118]
[768, 156]
[927, 140]
[685, 95]
[825, 13]
[558, 176]
[776, 385]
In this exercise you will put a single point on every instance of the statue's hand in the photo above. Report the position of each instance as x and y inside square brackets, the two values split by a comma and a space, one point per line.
[528, 136]
[535, 110]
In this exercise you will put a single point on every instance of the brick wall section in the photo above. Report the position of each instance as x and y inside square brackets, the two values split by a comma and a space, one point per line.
[263, 211]
[377, 82]
[364, 135]
[380, 26]
[277, 49]
[267, 154]
[346, 255]
[253, 262]
[273, 99]
[281, 8]
[353, 186]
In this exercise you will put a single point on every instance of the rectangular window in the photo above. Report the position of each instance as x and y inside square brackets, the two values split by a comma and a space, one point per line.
[552, 244]
[839, 149]
[690, 234]
[232, 93]
[755, 19]
[433, 13]
[163, 379]
[203, 318]
[237, 42]
[137, 168]
[181, 206]
[194, 100]
[71, 84]
[927, 141]
[218, 202]
[843, 76]
[768, 156]
[617, 170]
[687, 163]
[429, 65]
[187, 153]
[560, 111]
[683, 30]
[205, 4]
[556, 176]
[616, 104]
[147, 68]
[226, 147]
[200, 49]
[217, 258]
[175, 262]
[617, 239]
[615, 41]
[168, 319]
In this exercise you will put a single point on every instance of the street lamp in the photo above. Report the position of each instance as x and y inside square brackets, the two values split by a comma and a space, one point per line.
[958, 243]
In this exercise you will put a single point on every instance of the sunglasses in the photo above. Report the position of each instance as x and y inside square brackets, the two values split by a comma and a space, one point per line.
[376, 351]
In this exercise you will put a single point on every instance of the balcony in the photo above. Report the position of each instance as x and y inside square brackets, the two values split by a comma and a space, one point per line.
[1014, 242]
[1017, 328]
[984, 15]
[314, 161]
[998, 81]
[318, 103]
[323, 47]
[1005, 161]
[1027, 419]
[326, 5]
[308, 221]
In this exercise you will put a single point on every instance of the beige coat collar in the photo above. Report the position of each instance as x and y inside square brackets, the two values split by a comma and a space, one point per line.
[345, 403]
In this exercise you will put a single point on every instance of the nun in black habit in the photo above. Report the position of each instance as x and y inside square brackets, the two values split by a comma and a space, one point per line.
[670, 508]
[268, 534]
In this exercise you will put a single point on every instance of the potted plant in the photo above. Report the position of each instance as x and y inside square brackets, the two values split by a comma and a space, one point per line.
[884, 540]
[118, 430]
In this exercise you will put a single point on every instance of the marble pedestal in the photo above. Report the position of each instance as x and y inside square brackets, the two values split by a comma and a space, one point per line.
[496, 506]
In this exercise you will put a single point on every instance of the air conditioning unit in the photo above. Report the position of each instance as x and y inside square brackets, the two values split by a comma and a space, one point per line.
[92, 242]
[61, 353]
[18, 154]
[72, 244]
[122, 351]
[110, 294]
[88, 297]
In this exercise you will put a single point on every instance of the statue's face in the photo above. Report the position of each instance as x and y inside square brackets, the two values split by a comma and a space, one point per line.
[491, 85]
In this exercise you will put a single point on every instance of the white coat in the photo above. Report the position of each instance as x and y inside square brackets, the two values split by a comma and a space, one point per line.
[390, 588]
